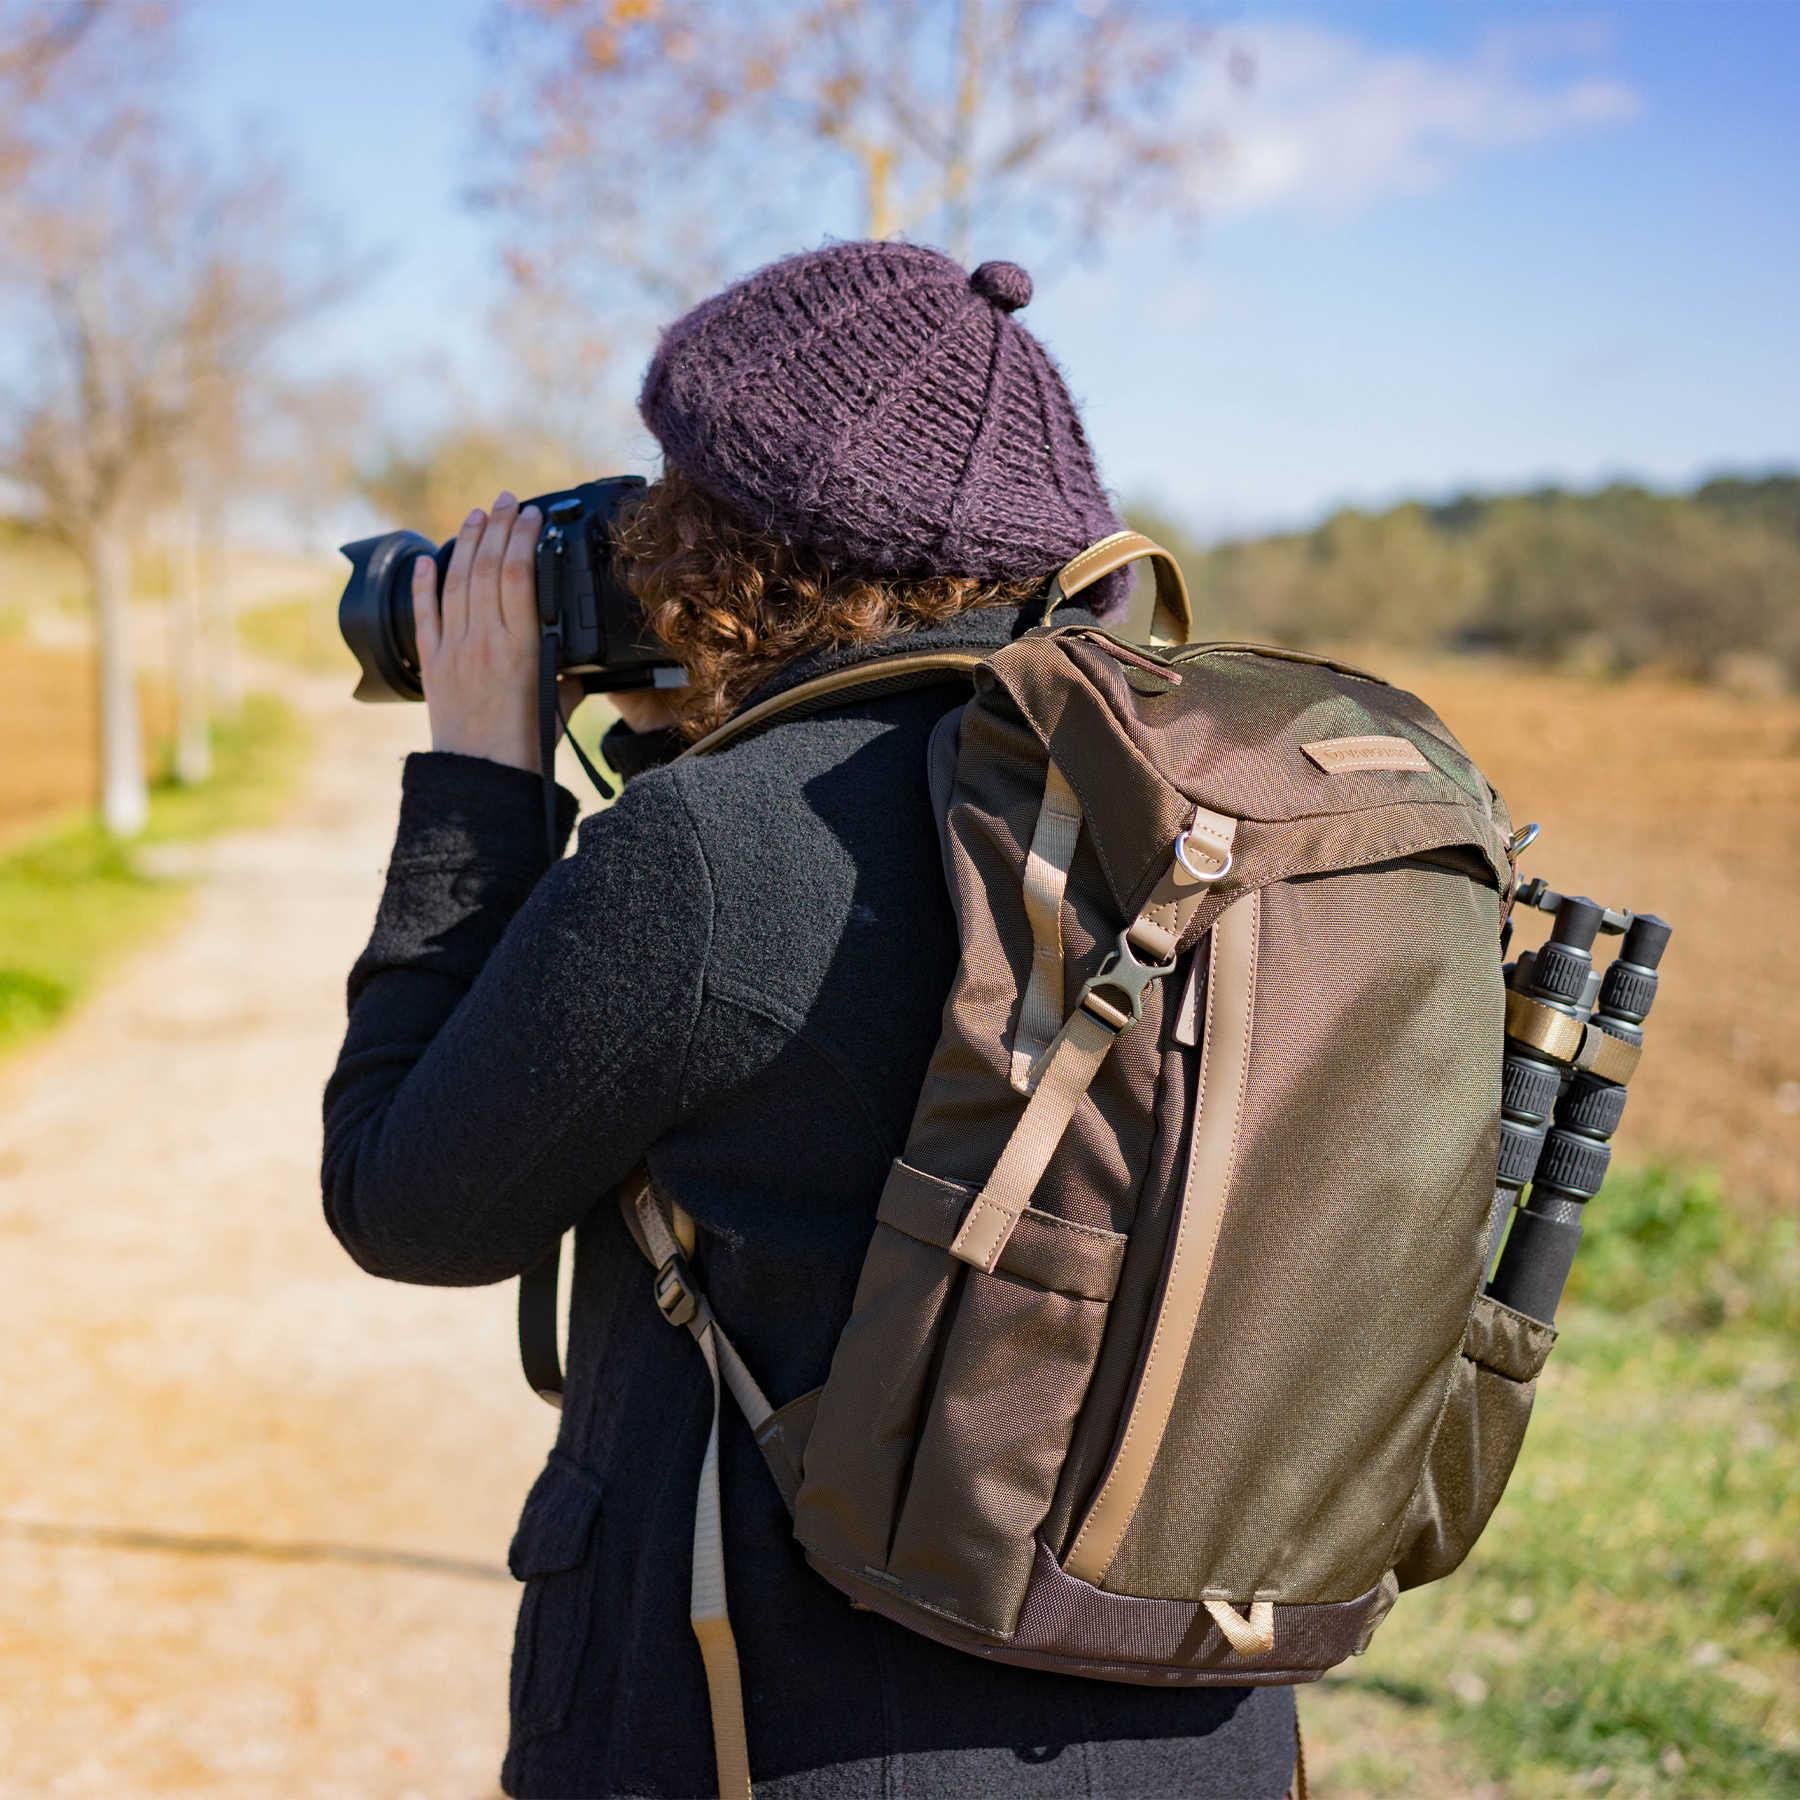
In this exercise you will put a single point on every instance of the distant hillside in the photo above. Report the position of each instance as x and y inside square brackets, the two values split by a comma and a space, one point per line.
[1705, 583]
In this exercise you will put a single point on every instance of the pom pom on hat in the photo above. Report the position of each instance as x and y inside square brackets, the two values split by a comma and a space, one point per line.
[1004, 283]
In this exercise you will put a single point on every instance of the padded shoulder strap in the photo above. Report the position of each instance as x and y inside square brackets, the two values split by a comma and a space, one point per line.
[885, 674]
[1173, 620]
[539, 1348]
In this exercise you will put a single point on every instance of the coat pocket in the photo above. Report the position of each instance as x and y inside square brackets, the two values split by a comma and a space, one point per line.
[939, 1443]
[551, 1555]
[1477, 1441]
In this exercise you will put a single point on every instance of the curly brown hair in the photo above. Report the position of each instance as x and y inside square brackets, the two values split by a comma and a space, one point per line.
[733, 603]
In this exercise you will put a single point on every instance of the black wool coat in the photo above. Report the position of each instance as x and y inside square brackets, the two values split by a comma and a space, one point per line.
[736, 979]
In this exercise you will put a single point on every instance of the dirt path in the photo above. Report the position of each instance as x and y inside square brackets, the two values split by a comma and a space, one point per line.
[188, 1356]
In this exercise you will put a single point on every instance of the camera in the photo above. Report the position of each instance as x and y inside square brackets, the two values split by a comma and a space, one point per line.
[593, 616]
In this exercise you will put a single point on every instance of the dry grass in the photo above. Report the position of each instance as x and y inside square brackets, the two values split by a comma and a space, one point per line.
[49, 733]
[1685, 801]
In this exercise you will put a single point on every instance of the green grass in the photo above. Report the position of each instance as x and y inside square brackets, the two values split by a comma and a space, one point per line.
[73, 900]
[1630, 1623]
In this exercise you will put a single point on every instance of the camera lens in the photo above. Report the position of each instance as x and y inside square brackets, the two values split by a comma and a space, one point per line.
[375, 614]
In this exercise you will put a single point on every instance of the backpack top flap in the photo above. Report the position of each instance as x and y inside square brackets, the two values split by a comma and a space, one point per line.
[1323, 766]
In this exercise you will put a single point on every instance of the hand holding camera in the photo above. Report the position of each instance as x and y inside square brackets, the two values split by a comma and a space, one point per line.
[477, 641]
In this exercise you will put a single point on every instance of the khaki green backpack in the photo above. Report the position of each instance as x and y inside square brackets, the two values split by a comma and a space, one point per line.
[1168, 1363]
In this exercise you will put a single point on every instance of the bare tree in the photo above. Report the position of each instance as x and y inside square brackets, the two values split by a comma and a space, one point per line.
[155, 290]
[37, 40]
[646, 147]
[69, 97]
[243, 294]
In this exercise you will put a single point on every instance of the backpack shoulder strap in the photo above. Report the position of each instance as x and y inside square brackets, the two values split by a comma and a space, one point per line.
[539, 1349]
[1173, 620]
[883, 675]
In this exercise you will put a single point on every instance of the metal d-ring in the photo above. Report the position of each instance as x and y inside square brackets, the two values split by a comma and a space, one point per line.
[1522, 840]
[1207, 876]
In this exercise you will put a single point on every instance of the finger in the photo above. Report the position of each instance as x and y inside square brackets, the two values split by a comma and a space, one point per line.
[455, 603]
[426, 626]
[569, 695]
[518, 575]
[484, 578]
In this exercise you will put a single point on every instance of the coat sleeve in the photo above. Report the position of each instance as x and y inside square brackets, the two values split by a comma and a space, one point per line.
[516, 1038]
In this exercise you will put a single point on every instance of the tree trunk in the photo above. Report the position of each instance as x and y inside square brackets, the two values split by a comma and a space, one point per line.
[124, 799]
[187, 620]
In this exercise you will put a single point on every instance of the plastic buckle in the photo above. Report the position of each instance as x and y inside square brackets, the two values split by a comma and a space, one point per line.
[674, 1291]
[1126, 975]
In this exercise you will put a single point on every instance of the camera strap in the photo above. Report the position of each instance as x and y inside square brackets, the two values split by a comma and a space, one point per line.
[551, 728]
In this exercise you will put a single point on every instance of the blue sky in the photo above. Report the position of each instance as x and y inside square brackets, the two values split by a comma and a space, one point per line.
[1454, 245]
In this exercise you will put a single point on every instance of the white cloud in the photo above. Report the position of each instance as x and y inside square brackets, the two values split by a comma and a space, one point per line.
[1331, 123]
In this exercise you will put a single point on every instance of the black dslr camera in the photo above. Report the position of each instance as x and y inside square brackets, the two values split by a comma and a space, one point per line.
[591, 616]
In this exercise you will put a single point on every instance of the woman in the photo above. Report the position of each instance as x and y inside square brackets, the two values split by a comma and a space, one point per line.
[736, 981]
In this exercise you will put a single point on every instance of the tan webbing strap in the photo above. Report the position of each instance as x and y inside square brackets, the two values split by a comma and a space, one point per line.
[1211, 1161]
[1253, 1636]
[1173, 620]
[1069, 1070]
[707, 1612]
[1047, 866]
[1566, 1039]
[1110, 1004]
[667, 1240]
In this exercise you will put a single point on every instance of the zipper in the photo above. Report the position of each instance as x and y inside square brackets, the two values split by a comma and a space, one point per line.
[1226, 647]
[1132, 655]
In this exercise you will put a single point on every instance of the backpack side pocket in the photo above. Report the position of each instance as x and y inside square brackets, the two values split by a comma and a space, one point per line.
[1477, 1440]
[945, 1422]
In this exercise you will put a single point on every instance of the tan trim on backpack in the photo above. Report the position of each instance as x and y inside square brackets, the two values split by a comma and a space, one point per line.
[1073, 1062]
[1212, 1151]
[1047, 865]
[707, 1614]
[1088, 1033]
[1251, 1635]
[1173, 620]
[915, 668]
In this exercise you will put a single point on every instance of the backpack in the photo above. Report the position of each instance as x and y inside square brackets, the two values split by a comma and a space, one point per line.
[1167, 1363]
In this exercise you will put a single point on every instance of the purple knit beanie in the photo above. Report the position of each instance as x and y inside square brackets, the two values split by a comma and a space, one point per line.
[879, 404]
